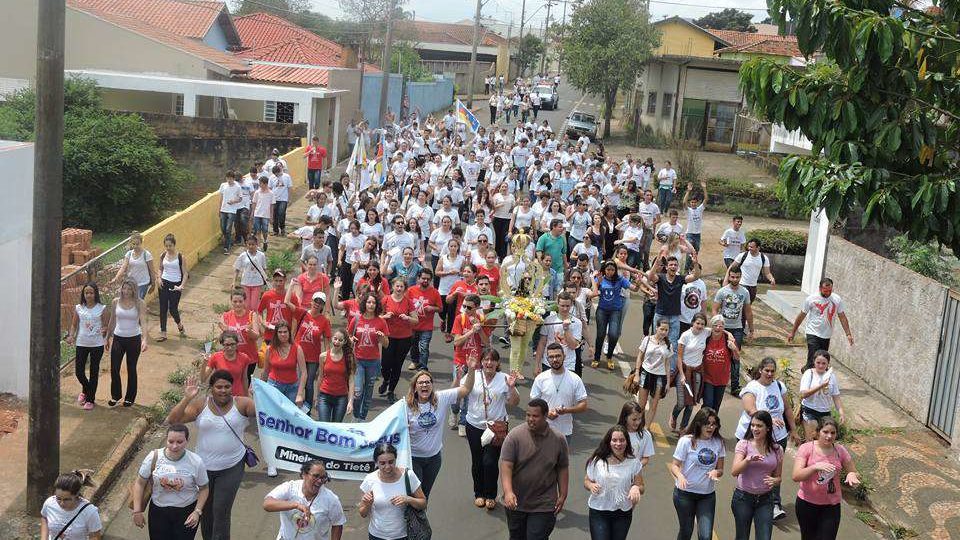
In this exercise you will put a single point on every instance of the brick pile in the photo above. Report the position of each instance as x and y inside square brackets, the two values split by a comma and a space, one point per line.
[75, 251]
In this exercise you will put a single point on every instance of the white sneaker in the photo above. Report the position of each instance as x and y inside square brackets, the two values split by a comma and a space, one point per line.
[452, 420]
[271, 471]
[462, 430]
[778, 512]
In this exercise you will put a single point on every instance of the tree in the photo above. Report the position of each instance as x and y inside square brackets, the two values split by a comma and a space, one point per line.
[882, 111]
[286, 9]
[728, 19]
[605, 47]
[531, 47]
[115, 172]
[406, 60]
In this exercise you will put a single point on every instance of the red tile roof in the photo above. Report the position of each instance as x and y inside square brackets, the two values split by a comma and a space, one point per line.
[295, 51]
[450, 33]
[190, 46]
[301, 76]
[268, 37]
[191, 19]
[762, 44]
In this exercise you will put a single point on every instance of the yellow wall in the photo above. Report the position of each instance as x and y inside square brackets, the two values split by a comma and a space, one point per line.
[197, 227]
[681, 39]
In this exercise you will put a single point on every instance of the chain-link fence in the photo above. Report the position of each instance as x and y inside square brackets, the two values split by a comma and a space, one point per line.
[100, 270]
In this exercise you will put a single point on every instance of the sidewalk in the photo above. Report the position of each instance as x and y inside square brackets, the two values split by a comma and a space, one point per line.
[104, 438]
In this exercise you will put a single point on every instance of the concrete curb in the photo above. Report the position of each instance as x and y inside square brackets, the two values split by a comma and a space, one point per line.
[126, 448]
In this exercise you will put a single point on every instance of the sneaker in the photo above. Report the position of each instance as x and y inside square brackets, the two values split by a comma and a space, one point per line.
[88, 406]
[413, 366]
[462, 430]
[81, 398]
[504, 340]
[271, 471]
[226, 251]
[778, 512]
[452, 421]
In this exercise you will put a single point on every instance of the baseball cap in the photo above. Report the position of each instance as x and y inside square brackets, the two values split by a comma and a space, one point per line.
[279, 272]
[275, 152]
[319, 295]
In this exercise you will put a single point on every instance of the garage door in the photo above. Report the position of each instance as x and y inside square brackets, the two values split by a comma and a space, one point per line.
[712, 85]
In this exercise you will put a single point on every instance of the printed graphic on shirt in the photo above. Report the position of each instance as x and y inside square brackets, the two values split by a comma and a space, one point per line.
[169, 480]
[427, 420]
[366, 335]
[706, 456]
[773, 402]
[692, 298]
[731, 306]
[275, 311]
[309, 329]
[827, 310]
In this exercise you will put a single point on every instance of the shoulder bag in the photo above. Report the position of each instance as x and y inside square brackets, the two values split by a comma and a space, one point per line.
[74, 518]
[147, 489]
[418, 526]
[257, 268]
[249, 456]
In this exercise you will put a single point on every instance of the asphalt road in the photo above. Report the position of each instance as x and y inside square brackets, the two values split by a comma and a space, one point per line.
[451, 509]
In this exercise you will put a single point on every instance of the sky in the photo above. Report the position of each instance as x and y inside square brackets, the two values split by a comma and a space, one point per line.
[505, 10]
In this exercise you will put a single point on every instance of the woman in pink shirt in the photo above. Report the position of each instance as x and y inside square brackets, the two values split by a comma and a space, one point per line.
[818, 468]
[758, 467]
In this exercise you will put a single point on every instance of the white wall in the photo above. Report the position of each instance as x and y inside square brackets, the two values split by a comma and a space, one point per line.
[16, 237]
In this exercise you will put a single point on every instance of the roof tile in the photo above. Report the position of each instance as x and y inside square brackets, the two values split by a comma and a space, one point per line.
[191, 19]
[269, 38]
[451, 33]
[289, 75]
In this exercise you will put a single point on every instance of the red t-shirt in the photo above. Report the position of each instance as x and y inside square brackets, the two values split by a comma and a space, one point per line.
[396, 327]
[473, 346]
[716, 362]
[237, 369]
[462, 289]
[315, 158]
[494, 275]
[420, 299]
[309, 286]
[310, 334]
[382, 291]
[277, 311]
[351, 309]
[334, 382]
[284, 370]
[365, 330]
[238, 324]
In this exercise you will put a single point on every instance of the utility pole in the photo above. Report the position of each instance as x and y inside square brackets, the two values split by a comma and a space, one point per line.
[563, 28]
[546, 39]
[473, 55]
[523, 13]
[43, 434]
[509, 47]
[386, 64]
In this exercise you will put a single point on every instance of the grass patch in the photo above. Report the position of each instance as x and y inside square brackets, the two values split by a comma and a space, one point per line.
[220, 309]
[899, 531]
[869, 518]
[106, 240]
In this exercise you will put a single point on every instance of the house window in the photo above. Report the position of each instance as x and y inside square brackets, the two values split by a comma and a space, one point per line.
[281, 112]
[667, 109]
[652, 103]
[178, 104]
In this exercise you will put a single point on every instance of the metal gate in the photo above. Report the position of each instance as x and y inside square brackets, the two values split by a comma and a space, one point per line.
[946, 378]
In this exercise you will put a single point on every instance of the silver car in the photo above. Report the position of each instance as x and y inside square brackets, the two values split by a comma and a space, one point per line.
[549, 99]
[581, 123]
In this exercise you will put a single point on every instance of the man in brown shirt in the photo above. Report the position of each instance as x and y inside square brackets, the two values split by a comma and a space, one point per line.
[534, 473]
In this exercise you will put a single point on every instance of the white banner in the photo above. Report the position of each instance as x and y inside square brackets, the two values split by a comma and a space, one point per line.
[288, 437]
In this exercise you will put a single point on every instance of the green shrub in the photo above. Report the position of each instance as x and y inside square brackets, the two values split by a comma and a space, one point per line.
[281, 260]
[725, 188]
[780, 241]
[686, 161]
[924, 259]
[646, 137]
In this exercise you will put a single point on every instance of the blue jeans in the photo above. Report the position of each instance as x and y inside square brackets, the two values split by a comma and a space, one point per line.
[712, 396]
[694, 506]
[460, 406]
[752, 509]
[664, 198]
[226, 228]
[420, 351]
[609, 322]
[673, 336]
[313, 178]
[312, 369]
[287, 389]
[331, 408]
[280, 217]
[634, 258]
[738, 336]
[521, 177]
[142, 290]
[694, 240]
[261, 225]
[609, 524]
[367, 373]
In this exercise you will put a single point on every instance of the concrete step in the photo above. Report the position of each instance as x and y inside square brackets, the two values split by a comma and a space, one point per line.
[786, 303]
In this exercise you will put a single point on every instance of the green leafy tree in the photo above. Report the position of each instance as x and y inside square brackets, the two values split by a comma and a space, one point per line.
[605, 46]
[531, 47]
[115, 172]
[406, 60]
[882, 110]
[727, 19]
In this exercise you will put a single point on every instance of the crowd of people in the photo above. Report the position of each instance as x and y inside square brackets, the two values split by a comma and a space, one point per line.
[381, 267]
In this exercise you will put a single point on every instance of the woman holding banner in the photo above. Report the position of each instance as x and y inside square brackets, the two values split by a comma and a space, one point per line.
[426, 414]
[221, 420]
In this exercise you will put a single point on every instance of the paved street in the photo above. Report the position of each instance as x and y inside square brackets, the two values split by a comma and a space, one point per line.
[451, 509]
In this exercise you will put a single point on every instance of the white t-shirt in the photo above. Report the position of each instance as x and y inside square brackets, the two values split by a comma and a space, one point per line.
[695, 219]
[474, 231]
[579, 223]
[57, 518]
[504, 205]
[564, 390]
[232, 197]
[692, 296]
[440, 238]
[89, 325]
[648, 212]
[386, 520]
[170, 269]
[735, 241]
[137, 267]
[768, 398]
[494, 394]
[654, 356]
[325, 509]
[592, 252]
[263, 202]
[552, 332]
[253, 268]
[666, 178]
[351, 246]
[642, 444]
[693, 346]
[697, 462]
[632, 237]
[615, 482]
[751, 266]
[175, 483]
[427, 424]
[821, 401]
[821, 314]
[665, 229]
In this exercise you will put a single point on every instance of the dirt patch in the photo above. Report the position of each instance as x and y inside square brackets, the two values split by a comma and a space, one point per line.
[716, 164]
[11, 411]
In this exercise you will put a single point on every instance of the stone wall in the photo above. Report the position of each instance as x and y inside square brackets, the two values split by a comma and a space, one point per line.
[207, 147]
[895, 315]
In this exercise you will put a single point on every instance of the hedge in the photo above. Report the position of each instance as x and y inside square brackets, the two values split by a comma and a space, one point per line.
[780, 241]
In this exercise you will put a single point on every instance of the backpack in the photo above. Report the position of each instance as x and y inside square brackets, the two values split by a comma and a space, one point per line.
[738, 260]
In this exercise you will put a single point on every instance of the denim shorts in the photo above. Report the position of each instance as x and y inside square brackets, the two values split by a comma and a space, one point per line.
[260, 224]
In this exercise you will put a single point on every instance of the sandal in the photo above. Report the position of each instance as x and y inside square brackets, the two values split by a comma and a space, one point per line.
[611, 365]
[595, 364]
[183, 333]
[491, 504]
[479, 502]
[161, 339]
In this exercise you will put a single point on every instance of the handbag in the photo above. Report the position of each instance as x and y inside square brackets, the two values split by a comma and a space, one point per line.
[74, 518]
[418, 526]
[147, 489]
[249, 455]
[498, 428]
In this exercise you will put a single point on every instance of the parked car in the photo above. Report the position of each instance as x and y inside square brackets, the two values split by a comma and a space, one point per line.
[549, 98]
[581, 123]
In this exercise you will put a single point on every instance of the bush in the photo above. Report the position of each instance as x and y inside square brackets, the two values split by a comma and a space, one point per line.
[924, 259]
[686, 161]
[281, 260]
[780, 241]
